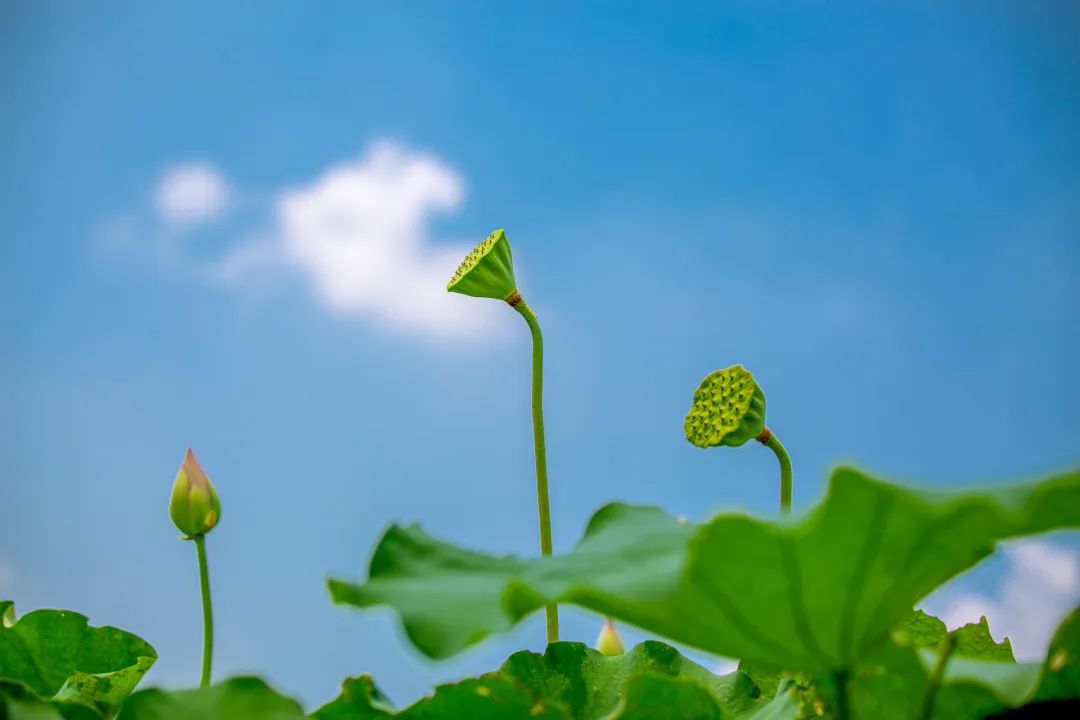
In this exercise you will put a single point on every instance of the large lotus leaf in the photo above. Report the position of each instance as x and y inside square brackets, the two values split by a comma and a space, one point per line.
[813, 594]
[570, 681]
[659, 697]
[58, 656]
[450, 598]
[487, 697]
[589, 684]
[235, 699]
[242, 698]
[18, 702]
[790, 702]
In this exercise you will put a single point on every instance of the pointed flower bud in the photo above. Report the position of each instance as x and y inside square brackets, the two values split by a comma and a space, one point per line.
[194, 506]
[608, 642]
[487, 271]
[728, 409]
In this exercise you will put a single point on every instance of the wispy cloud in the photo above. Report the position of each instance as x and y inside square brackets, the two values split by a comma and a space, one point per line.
[358, 235]
[1041, 585]
[191, 193]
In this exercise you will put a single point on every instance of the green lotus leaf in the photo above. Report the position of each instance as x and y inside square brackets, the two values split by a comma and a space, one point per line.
[571, 681]
[58, 657]
[658, 697]
[790, 702]
[359, 699]
[590, 684]
[814, 595]
[973, 640]
[489, 697]
[18, 702]
[728, 409]
[235, 699]
[486, 698]
[487, 271]
[1062, 668]
[250, 698]
[979, 679]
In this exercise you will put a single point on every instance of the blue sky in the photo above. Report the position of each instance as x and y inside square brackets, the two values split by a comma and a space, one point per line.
[228, 227]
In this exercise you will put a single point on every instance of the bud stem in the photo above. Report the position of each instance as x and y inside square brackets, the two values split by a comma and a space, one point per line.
[540, 452]
[769, 440]
[208, 611]
[936, 676]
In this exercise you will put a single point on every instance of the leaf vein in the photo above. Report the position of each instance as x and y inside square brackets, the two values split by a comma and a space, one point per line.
[876, 531]
[798, 604]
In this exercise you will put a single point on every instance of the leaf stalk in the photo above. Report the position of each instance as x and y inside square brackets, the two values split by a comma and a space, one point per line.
[947, 647]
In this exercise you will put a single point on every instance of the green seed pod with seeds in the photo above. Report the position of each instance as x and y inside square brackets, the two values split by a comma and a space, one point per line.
[488, 272]
[729, 409]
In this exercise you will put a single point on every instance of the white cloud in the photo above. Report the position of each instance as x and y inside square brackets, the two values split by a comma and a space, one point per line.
[359, 234]
[1040, 587]
[191, 193]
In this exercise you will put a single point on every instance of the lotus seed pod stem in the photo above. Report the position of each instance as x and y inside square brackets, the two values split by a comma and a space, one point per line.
[539, 449]
[488, 272]
[768, 439]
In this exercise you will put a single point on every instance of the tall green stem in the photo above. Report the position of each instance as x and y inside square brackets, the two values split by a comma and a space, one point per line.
[540, 453]
[935, 678]
[785, 471]
[207, 610]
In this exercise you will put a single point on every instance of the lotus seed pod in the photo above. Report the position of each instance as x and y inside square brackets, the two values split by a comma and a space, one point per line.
[194, 507]
[728, 409]
[608, 642]
[487, 271]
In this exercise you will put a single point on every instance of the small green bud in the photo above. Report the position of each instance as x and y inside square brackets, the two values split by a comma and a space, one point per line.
[728, 409]
[194, 506]
[487, 271]
[608, 642]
